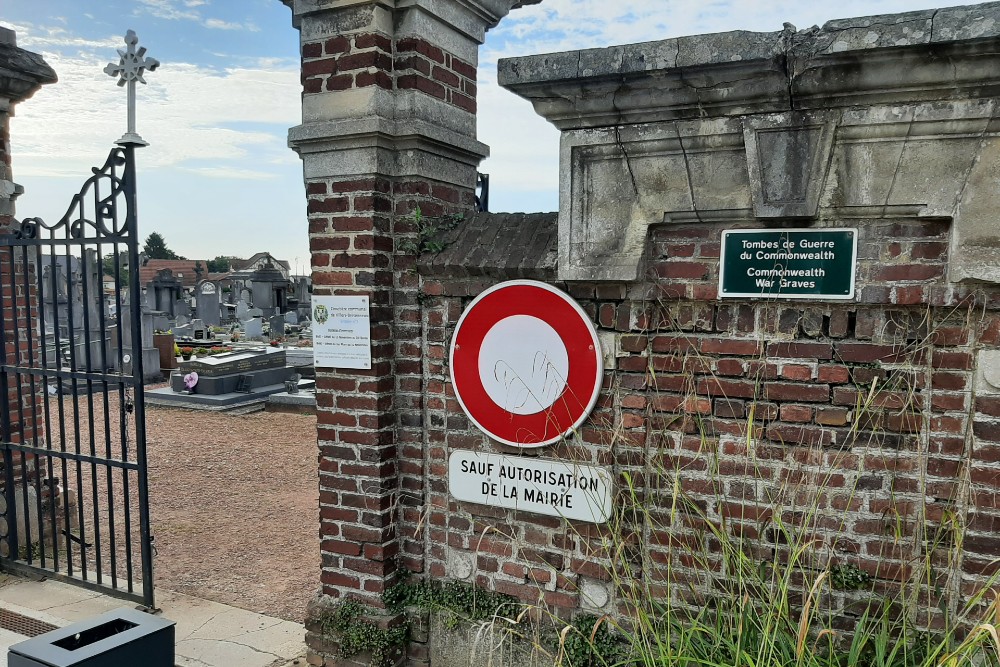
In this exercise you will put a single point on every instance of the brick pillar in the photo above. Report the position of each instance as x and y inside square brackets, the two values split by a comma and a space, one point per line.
[388, 125]
[24, 73]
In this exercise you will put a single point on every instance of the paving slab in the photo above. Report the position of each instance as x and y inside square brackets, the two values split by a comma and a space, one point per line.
[208, 634]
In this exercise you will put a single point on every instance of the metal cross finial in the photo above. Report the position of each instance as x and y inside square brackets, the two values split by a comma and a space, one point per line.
[129, 69]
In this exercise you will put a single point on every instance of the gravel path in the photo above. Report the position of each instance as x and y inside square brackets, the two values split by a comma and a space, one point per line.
[233, 502]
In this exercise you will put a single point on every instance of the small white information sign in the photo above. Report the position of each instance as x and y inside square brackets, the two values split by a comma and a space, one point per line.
[341, 332]
[555, 488]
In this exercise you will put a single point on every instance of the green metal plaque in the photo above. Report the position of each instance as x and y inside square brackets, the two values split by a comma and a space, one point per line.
[788, 263]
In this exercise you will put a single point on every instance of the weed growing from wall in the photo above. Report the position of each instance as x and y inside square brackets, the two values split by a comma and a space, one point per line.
[357, 635]
[430, 230]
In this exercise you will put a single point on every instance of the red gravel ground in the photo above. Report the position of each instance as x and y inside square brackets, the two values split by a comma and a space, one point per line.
[233, 502]
[234, 507]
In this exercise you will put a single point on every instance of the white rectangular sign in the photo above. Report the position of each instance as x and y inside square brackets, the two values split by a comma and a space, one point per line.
[342, 329]
[556, 488]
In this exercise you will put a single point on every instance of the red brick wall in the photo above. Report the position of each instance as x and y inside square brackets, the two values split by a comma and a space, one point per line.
[18, 304]
[369, 422]
[362, 60]
[866, 426]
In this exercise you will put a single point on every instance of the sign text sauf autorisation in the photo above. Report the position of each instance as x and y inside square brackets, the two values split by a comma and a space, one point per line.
[788, 263]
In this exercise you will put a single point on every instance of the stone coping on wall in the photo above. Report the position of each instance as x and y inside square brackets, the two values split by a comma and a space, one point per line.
[844, 62]
[498, 245]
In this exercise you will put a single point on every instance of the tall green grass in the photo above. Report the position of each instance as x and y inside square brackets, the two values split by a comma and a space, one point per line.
[695, 591]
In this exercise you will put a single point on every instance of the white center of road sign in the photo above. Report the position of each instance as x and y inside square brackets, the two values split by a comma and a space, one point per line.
[523, 364]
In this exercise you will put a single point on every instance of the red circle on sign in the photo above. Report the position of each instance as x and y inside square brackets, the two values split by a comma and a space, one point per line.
[533, 301]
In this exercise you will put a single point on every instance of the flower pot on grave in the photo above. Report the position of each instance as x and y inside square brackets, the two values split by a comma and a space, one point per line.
[164, 343]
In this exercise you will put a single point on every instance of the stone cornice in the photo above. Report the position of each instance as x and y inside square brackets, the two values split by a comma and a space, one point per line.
[939, 54]
[471, 18]
[377, 132]
[21, 72]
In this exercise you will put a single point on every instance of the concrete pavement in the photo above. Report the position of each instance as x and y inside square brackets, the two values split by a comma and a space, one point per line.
[208, 634]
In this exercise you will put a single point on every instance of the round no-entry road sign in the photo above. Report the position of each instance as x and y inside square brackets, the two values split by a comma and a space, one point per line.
[526, 363]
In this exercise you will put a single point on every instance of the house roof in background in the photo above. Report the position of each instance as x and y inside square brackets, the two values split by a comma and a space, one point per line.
[183, 268]
[240, 264]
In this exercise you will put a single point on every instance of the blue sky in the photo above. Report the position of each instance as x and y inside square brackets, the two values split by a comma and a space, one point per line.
[218, 177]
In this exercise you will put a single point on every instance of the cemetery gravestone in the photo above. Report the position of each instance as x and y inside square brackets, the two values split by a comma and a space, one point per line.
[208, 303]
[277, 325]
[198, 330]
[253, 328]
[222, 373]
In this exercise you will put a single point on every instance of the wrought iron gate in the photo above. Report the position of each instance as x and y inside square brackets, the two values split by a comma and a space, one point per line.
[75, 498]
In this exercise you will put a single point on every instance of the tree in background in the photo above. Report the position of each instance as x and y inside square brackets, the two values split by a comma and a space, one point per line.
[108, 265]
[220, 264]
[155, 247]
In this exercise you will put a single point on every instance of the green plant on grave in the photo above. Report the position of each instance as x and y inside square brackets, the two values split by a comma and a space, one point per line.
[355, 635]
[429, 230]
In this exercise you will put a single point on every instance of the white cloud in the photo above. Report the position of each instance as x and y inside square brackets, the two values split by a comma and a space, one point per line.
[190, 115]
[231, 172]
[219, 24]
[47, 39]
[168, 9]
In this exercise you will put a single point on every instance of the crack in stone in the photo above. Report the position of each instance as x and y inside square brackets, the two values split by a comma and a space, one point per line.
[976, 154]
[618, 139]
[70, 604]
[787, 37]
[824, 30]
[196, 630]
[899, 160]
[229, 641]
[687, 170]
[260, 629]
[255, 650]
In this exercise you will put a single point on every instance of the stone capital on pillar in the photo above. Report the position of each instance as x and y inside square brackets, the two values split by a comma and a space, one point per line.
[473, 18]
[389, 86]
[21, 74]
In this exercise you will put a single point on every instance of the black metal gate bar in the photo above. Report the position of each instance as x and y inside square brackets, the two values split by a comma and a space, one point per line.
[68, 443]
[132, 223]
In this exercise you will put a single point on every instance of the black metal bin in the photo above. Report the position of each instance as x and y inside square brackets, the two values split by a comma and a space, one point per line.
[121, 638]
